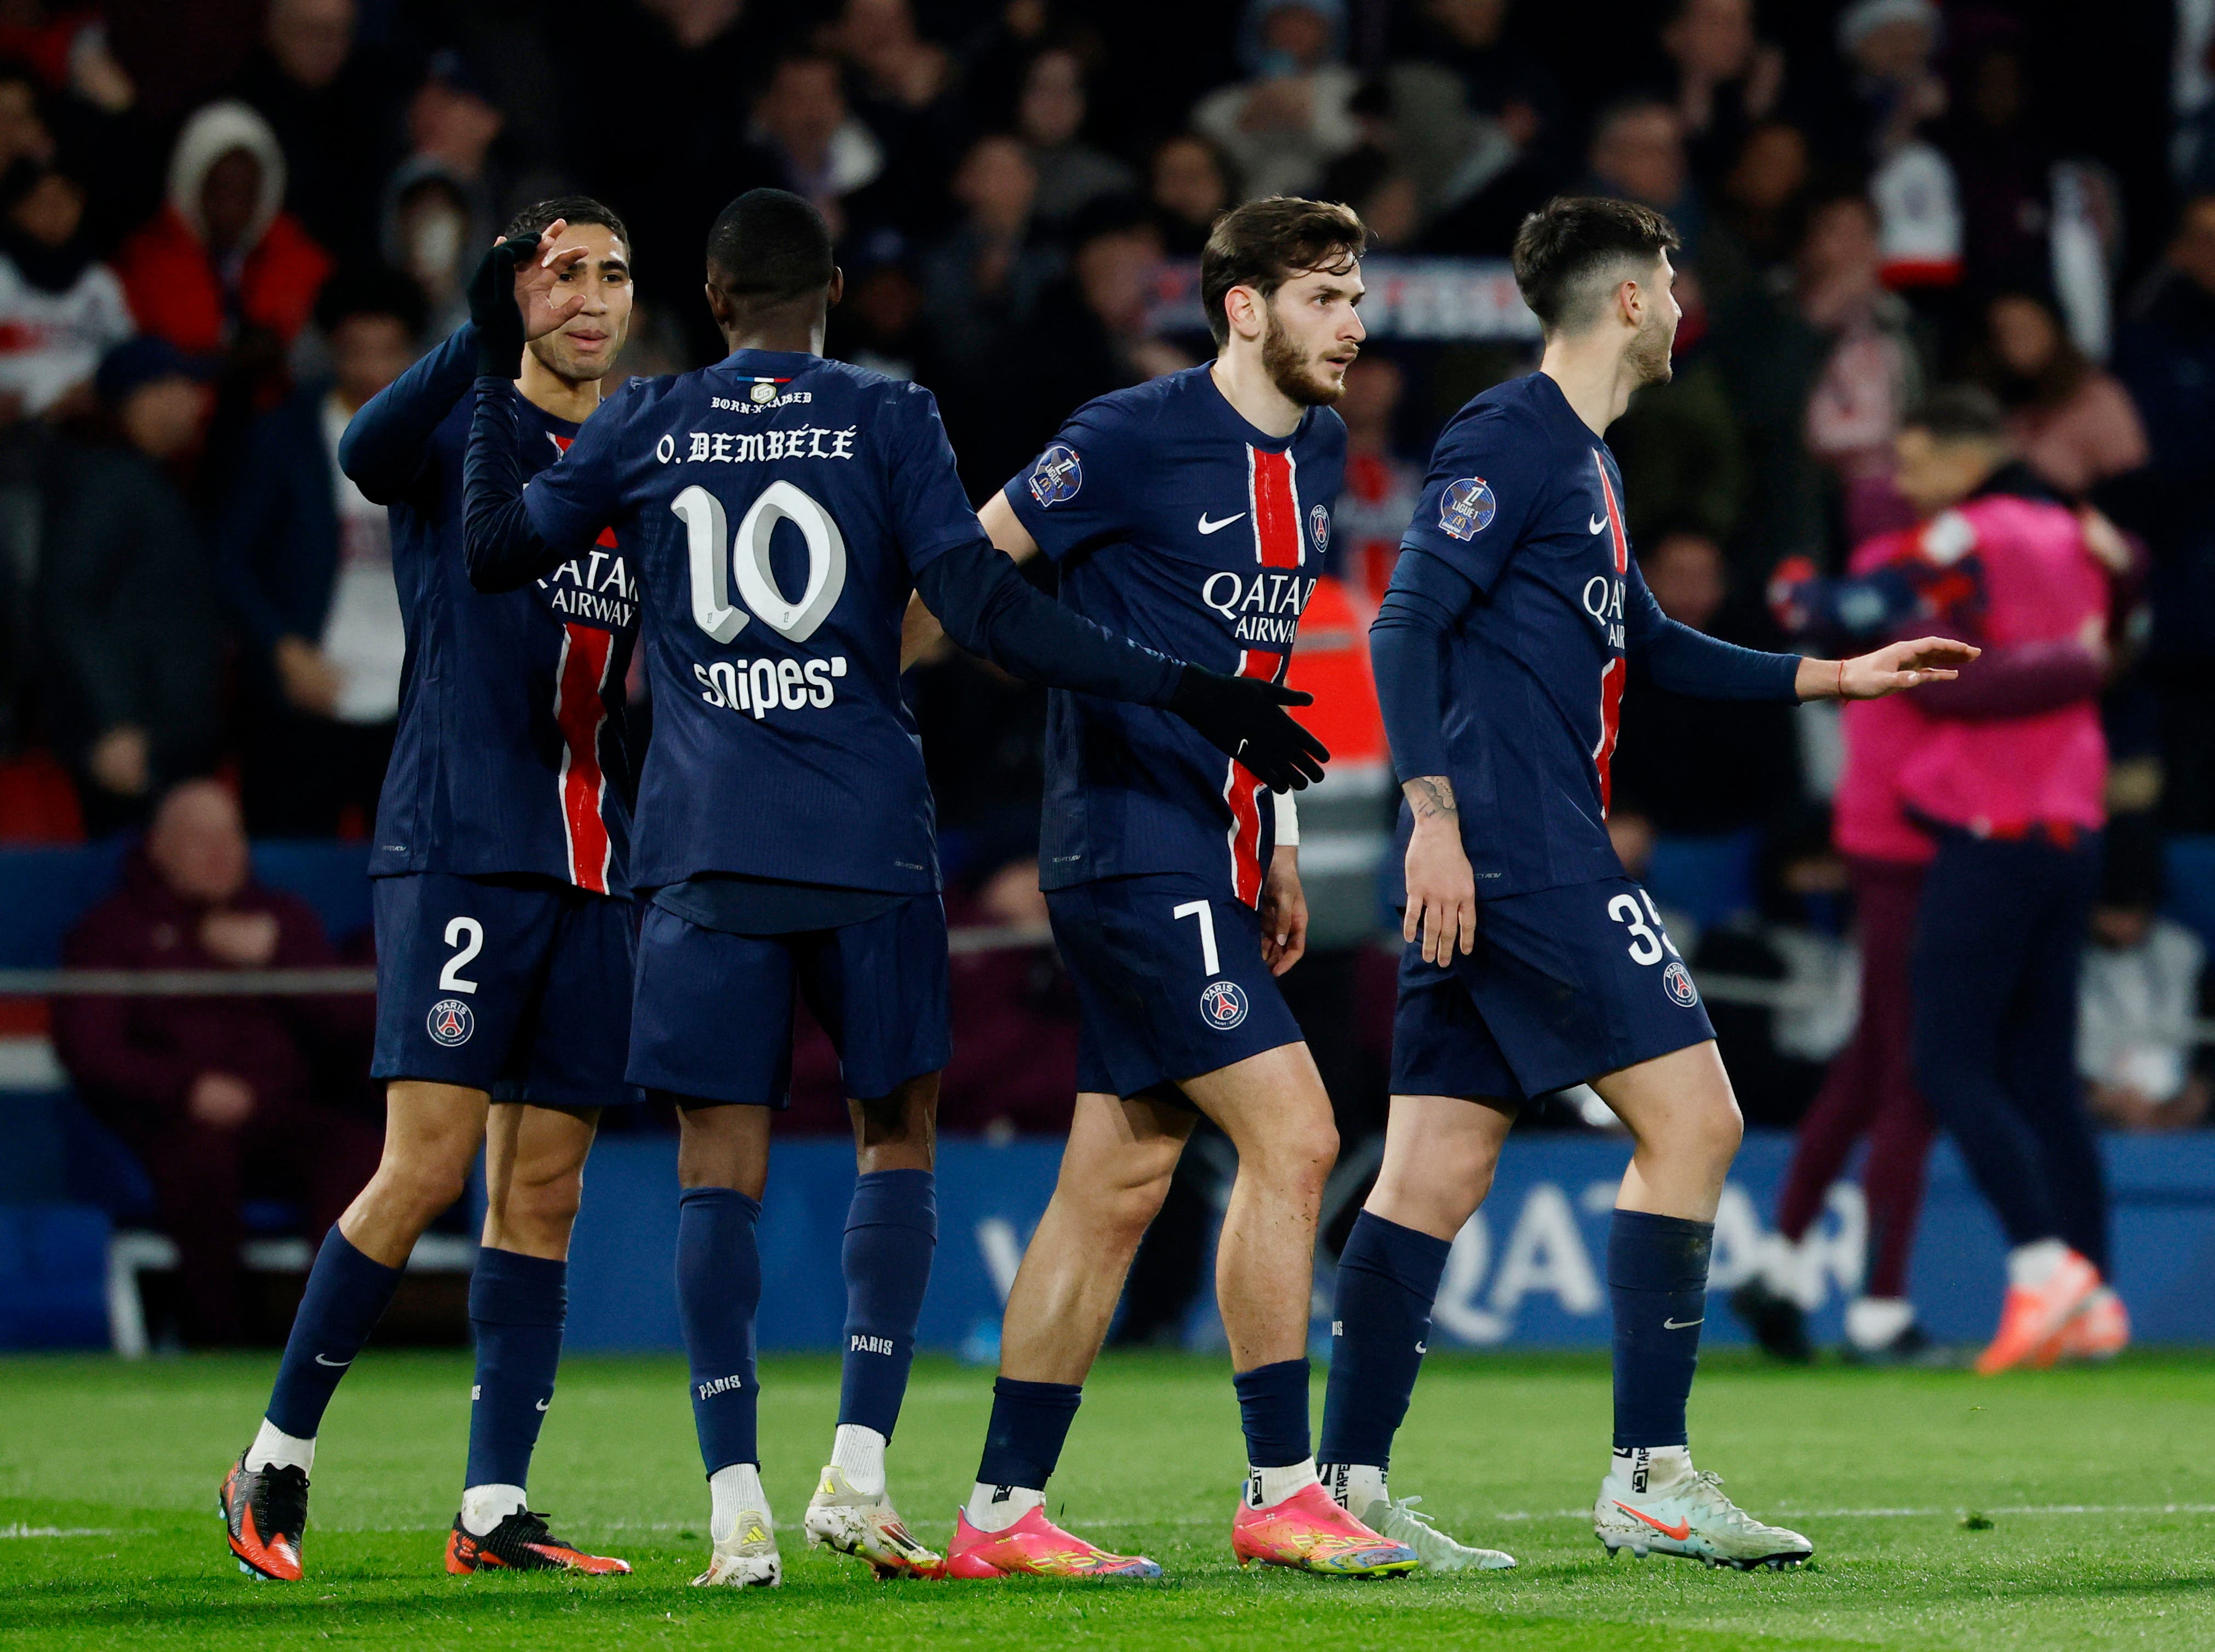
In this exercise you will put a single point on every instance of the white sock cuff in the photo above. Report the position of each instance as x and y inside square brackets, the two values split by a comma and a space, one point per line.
[734, 1490]
[2030, 1266]
[273, 1446]
[1266, 1488]
[994, 1508]
[1354, 1486]
[485, 1507]
[859, 1454]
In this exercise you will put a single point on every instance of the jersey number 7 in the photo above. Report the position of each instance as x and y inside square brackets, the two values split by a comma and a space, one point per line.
[707, 531]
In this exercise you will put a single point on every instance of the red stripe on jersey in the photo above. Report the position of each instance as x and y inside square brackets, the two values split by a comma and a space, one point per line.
[1242, 790]
[579, 713]
[1272, 486]
[1612, 675]
[1611, 723]
[1621, 541]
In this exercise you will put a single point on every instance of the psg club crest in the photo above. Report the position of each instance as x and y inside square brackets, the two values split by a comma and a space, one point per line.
[450, 1023]
[1468, 508]
[1319, 527]
[1223, 1005]
[1677, 981]
[1057, 476]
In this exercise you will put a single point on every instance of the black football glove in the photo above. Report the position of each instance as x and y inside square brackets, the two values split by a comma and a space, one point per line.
[1244, 718]
[493, 307]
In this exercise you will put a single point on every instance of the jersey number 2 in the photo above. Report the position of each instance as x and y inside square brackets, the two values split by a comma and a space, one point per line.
[466, 934]
[706, 531]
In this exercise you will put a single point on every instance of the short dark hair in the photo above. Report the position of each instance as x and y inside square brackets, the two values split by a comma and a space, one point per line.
[1959, 412]
[370, 290]
[533, 219]
[769, 247]
[1264, 244]
[1573, 238]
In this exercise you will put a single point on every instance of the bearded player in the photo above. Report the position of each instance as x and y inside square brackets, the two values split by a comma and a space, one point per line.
[1190, 513]
[1532, 963]
[503, 913]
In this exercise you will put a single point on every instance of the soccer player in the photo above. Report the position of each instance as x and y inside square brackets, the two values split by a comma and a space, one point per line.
[1191, 513]
[1531, 961]
[780, 509]
[503, 914]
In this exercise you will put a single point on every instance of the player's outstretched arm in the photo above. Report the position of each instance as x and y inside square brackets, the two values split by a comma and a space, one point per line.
[385, 443]
[1890, 669]
[990, 609]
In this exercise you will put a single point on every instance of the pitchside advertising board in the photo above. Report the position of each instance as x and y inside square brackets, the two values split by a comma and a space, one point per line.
[1528, 1272]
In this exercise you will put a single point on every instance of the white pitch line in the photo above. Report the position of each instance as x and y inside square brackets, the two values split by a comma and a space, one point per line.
[19, 1530]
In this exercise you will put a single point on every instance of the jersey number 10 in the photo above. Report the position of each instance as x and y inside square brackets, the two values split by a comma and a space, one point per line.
[706, 531]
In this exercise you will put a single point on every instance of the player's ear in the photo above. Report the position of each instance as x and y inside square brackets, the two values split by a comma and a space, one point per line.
[837, 288]
[719, 304]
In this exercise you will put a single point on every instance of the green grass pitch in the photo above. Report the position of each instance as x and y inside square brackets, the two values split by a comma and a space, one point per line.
[2096, 1490]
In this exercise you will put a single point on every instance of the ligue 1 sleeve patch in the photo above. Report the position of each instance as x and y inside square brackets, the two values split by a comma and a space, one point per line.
[1468, 508]
[1057, 476]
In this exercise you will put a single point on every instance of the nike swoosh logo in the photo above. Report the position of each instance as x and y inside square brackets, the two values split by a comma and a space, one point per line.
[542, 1405]
[1207, 527]
[1599, 523]
[335, 1365]
[1682, 1530]
[1672, 1324]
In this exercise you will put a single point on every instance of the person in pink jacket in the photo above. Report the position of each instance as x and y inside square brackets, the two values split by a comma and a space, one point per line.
[1997, 782]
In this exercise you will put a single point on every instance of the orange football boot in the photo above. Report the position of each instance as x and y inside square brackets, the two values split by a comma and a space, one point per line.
[521, 1543]
[264, 1512]
[2033, 1317]
[1035, 1547]
[1310, 1532]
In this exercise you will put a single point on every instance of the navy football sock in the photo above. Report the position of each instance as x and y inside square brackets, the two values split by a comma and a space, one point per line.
[1387, 1278]
[1273, 1403]
[517, 1307]
[347, 1295]
[891, 1228]
[1657, 1279]
[718, 1289]
[1030, 1423]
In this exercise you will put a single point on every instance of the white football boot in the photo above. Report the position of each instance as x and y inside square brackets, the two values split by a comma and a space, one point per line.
[869, 1528]
[1395, 1518]
[747, 1559]
[1690, 1516]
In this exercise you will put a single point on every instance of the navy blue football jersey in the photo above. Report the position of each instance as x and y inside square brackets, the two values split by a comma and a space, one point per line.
[509, 755]
[1179, 525]
[1525, 503]
[776, 508]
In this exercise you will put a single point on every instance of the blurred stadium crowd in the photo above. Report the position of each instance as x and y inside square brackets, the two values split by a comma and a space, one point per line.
[225, 223]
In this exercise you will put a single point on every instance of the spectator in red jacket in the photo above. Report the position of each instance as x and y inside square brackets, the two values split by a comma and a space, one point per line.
[216, 1096]
[222, 267]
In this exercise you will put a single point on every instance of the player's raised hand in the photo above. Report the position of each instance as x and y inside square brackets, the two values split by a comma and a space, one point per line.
[1244, 717]
[538, 287]
[514, 297]
[1887, 671]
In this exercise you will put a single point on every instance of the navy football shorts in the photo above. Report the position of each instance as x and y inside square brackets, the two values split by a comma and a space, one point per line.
[517, 986]
[1564, 984]
[712, 1015]
[1169, 981]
